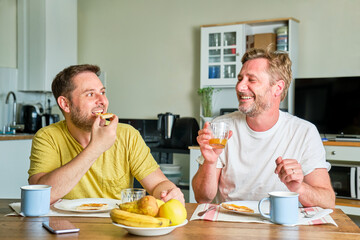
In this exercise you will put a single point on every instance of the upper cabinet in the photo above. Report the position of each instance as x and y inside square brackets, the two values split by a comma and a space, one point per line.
[220, 54]
[47, 41]
[223, 45]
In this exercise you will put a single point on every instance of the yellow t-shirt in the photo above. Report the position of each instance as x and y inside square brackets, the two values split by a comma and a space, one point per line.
[129, 157]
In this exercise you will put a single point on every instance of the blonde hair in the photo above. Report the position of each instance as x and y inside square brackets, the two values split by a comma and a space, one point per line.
[279, 65]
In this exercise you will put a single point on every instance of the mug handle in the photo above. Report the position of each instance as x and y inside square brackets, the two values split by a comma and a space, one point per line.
[259, 207]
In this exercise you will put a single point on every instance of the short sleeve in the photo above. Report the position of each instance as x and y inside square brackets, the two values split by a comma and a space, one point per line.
[314, 155]
[201, 160]
[44, 156]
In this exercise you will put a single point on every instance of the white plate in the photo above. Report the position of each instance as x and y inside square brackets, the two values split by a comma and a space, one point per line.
[250, 204]
[150, 231]
[71, 205]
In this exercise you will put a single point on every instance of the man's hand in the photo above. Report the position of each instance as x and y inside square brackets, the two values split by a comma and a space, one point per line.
[210, 154]
[290, 173]
[174, 193]
[103, 136]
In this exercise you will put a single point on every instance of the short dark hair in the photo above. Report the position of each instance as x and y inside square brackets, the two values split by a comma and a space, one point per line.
[63, 85]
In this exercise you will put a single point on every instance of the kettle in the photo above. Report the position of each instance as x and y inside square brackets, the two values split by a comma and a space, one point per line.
[34, 118]
[31, 116]
[165, 125]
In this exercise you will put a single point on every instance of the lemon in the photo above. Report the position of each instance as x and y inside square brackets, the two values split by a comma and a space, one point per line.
[173, 210]
[159, 202]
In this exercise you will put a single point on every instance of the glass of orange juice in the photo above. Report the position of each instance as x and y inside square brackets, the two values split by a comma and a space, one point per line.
[220, 134]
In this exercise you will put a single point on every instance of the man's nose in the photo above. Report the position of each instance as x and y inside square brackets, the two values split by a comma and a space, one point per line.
[101, 99]
[241, 85]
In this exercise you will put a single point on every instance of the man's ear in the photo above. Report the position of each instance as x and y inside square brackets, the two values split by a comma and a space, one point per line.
[279, 87]
[64, 104]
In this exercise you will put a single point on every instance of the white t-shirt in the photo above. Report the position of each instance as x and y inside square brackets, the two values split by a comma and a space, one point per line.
[248, 160]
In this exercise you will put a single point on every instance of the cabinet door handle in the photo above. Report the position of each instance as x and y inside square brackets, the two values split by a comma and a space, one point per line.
[333, 153]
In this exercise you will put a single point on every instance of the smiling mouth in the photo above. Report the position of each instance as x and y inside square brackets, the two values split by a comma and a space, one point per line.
[244, 97]
[98, 111]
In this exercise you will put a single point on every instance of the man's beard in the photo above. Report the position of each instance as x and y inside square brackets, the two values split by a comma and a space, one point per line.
[81, 120]
[260, 105]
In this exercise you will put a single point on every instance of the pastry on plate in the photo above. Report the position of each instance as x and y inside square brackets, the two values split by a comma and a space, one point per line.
[237, 208]
[92, 206]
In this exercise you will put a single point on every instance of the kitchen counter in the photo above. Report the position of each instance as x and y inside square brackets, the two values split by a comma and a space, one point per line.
[325, 143]
[19, 136]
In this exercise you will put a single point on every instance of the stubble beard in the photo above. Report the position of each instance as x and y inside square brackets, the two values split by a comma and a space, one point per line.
[257, 107]
[80, 120]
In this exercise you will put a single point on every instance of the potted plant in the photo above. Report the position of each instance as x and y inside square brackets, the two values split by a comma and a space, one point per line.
[206, 95]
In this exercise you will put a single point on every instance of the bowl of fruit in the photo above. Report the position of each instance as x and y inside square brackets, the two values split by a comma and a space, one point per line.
[149, 216]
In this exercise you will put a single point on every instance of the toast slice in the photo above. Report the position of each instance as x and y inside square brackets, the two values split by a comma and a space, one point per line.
[92, 206]
[237, 208]
[106, 116]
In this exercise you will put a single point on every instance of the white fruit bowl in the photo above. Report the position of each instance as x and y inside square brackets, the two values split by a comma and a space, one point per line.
[150, 231]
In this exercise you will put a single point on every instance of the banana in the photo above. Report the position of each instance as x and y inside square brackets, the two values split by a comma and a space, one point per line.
[130, 207]
[165, 221]
[137, 220]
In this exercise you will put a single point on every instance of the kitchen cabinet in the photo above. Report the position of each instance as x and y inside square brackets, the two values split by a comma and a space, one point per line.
[222, 47]
[221, 51]
[194, 166]
[14, 164]
[344, 153]
[47, 41]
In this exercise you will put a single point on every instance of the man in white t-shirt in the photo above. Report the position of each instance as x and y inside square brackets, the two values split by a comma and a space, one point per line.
[268, 149]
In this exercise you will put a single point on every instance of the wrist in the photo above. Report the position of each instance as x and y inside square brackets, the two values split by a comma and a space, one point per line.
[209, 163]
[302, 189]
[93, 151]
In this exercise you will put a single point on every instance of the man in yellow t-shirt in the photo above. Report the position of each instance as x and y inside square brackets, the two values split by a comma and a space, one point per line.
[82, 157]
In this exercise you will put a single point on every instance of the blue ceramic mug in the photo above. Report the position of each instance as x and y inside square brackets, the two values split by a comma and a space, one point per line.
[284, 207]
[35, 200]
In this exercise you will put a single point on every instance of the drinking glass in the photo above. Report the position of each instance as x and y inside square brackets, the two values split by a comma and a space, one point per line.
[220, 134]
[132, 194]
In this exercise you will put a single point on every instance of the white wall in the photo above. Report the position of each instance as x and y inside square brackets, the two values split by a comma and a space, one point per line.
[150, 50]
[8, 33]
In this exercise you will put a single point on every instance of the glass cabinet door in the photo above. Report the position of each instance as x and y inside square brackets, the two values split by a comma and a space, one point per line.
[220, 54]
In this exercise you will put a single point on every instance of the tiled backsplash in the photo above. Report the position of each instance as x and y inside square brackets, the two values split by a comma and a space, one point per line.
[8, 82]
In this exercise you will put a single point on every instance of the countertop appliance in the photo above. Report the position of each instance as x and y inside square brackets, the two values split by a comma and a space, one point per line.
[148, 129]
[185, 131]
[165, 126]
[34, 118]
[345, 180]
[31, 117]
